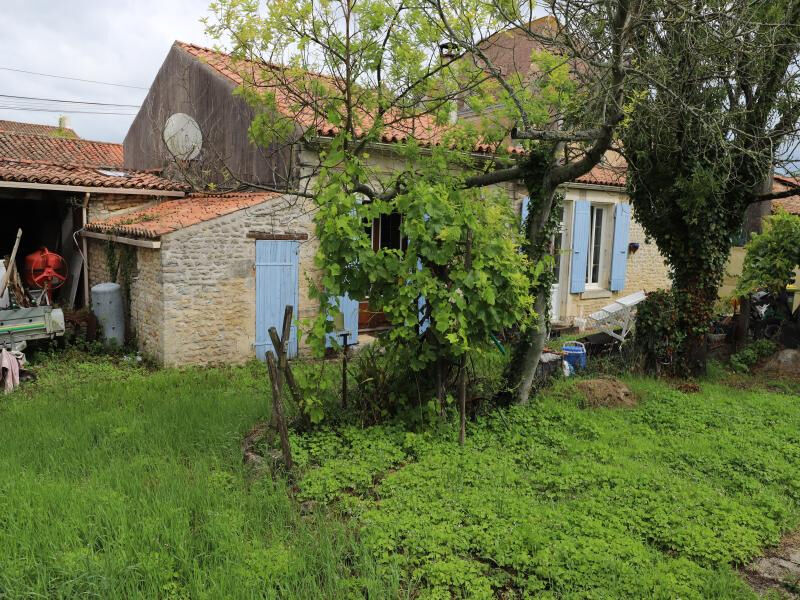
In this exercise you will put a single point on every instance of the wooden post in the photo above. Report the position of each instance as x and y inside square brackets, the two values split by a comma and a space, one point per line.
[11, 263]
[277, 408]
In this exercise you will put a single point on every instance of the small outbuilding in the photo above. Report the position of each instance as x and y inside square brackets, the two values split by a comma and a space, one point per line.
[210, 273]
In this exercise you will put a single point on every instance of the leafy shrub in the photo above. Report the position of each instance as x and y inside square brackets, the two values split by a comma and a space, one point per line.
[658, 338]
[747, 358]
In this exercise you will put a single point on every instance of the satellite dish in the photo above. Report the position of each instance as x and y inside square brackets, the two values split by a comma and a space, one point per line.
[182, 136]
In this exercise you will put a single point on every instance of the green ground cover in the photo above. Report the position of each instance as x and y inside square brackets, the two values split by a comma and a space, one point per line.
[119, 482]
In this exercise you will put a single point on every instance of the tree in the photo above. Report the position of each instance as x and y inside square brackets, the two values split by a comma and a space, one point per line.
[363, 71]
[716, 98]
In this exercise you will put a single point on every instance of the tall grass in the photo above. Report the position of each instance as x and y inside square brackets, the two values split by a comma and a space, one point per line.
[115, 482]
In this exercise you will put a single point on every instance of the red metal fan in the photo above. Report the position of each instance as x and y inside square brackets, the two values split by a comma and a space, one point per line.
[46, 271]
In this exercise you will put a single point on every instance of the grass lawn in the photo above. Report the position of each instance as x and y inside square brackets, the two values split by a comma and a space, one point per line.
[117, 482]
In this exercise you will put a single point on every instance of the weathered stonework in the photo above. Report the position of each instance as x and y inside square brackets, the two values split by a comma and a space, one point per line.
[145, 308]
[209, 282]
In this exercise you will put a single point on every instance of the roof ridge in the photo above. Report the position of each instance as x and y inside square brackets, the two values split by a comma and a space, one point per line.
[75, 165]
[55, 137]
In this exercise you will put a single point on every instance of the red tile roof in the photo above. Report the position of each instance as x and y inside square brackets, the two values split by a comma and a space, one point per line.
[604, 174]
[35, 128]
[423, 129]
[29, 171]
[790, 204]
[25, 146]
[168, 216]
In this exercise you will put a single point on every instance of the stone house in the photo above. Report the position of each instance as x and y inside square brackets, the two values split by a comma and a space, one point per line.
[214, 271]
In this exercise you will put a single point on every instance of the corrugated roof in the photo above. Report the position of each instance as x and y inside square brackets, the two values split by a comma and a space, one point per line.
[42, 172]
[25, 146]
[171, 215]
[36, 129]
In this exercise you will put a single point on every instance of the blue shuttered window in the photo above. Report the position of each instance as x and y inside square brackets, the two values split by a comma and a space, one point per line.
[277, 267]
[580, 246]
[619, 254]
[526, 205]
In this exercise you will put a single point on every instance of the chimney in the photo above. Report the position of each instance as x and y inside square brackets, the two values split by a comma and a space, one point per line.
[63, 122]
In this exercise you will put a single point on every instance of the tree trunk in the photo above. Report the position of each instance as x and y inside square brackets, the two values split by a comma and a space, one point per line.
[696, 299]
[530, 349]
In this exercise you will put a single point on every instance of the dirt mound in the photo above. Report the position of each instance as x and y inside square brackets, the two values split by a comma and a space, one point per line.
[785, 362]
[606, 392]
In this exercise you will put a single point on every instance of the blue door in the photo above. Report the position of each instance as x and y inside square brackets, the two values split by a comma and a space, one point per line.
[276, 286]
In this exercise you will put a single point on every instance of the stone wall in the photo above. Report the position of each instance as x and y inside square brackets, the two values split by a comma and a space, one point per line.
[145, 308]
[102, 206]
[209, 281]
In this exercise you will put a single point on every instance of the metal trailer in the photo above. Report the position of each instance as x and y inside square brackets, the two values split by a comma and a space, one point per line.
[22, 325]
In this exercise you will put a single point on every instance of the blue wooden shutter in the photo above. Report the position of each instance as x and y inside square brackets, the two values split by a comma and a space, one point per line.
[526, 205]
[349, 310]
[580, 246]
[277, 267]
[423, 325]
[619, 255]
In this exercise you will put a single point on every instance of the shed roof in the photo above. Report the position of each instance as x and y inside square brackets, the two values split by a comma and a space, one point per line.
[27, 146]
[171, 215]
[37, 129]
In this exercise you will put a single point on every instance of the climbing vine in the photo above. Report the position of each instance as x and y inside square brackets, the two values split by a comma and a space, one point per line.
[121, 265]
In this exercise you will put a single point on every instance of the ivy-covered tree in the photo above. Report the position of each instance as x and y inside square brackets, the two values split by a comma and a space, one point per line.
[716, 103]
[367, 70]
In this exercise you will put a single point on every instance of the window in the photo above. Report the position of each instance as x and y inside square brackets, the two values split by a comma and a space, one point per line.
[386, 233]
[594, 264]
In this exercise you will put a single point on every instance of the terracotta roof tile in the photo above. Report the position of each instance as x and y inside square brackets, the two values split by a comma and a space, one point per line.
[604, 174]
[790, 204]
[25, 146]
[28, 171]
[168, 216]
[36, 129]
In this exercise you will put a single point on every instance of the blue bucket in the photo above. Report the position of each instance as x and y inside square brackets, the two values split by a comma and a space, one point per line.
[575, 354]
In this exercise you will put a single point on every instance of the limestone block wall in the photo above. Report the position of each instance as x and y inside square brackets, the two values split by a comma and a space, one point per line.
[145, 308]
[209, 281]
[102, 206]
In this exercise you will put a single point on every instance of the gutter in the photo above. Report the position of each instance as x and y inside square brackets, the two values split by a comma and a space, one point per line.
[90, 189]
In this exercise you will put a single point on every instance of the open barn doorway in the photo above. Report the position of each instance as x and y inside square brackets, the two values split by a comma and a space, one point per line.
[48, 220]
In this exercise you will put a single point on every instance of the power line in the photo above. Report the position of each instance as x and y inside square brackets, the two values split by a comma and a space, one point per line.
[72, 112]
[134, 87]
[70, 101]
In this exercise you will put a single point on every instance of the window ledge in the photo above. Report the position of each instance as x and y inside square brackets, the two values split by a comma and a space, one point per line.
[593, 294]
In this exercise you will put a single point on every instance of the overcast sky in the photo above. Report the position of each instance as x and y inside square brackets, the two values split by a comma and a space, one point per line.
[119, 42]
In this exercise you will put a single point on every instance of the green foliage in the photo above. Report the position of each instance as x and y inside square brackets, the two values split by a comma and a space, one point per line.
[658, 338]
[464, 303]
[772, 256]
[747, 358]
[118, 482]
[699, 153]
[554, 501]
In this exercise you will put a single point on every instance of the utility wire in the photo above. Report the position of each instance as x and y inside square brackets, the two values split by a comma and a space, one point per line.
[134, 87]
[70, 101]
[72, 112]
